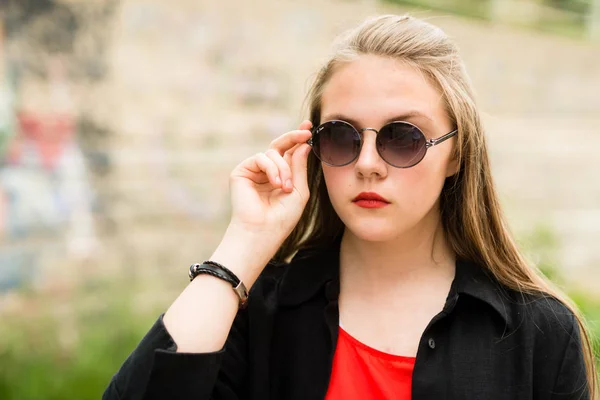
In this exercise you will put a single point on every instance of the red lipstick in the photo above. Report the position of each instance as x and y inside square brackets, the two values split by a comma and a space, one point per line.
[370, 200]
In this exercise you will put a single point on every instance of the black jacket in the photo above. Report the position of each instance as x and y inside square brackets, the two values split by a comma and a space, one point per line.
[487, 343]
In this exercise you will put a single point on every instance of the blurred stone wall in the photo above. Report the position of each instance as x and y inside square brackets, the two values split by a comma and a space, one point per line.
[193, 87]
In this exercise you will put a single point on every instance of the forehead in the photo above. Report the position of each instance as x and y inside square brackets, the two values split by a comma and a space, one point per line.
[373, 89]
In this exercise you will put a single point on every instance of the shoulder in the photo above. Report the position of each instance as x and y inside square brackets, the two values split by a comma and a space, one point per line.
[542, 313]
[543, 329]
[544, 319]
[544, 326]
[549, 329]
[536, 313]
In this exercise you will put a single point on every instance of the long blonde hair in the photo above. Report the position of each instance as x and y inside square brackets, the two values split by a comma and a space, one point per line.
[470, 210]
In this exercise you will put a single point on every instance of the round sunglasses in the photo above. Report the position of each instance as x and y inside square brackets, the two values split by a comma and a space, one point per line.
[399, 143]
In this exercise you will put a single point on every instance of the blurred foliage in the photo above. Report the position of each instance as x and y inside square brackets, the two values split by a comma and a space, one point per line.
[578, 6]
[542, 246]
[562, 17]
[468, 8]
[61, 351]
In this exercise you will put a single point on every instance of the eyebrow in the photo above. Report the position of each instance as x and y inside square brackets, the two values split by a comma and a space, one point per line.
[402, 117]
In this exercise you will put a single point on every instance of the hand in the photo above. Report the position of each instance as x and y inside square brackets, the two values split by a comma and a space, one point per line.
[270, 190]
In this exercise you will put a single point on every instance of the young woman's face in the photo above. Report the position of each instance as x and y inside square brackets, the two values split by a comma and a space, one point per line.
[370, 92]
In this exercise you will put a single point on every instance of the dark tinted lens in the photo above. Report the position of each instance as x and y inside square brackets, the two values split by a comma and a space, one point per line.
[401, 144]
[336, 143]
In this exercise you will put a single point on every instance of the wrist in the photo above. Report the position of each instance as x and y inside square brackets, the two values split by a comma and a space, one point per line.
[245, 253]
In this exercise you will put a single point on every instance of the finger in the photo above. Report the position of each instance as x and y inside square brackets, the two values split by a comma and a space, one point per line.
[251, 170]
[288, 140]
[266, 165]
[287, 156]
[299, 167]
[306, 124]
[285, 173]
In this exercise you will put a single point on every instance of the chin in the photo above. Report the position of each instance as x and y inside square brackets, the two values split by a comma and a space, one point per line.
[373, 231]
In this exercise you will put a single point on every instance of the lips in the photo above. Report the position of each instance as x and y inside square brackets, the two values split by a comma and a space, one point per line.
[370, 196]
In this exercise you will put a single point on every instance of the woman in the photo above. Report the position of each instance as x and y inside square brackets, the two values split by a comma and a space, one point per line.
[396, 276]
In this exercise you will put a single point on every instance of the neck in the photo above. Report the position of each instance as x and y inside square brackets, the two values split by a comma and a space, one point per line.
[419, 255]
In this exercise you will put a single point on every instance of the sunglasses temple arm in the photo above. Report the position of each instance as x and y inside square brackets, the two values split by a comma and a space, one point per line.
[433, 142]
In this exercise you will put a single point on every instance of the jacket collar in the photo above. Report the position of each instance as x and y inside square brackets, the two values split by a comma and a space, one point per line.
[312, 271]
[475, 281]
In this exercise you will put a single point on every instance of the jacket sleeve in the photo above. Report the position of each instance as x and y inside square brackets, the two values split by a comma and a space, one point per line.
[571, 381]
[154, 370]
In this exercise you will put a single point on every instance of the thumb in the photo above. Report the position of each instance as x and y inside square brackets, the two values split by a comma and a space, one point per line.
[300, 167]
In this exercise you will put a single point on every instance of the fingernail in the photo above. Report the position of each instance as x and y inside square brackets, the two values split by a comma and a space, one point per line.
[278, 181]
[288, 184]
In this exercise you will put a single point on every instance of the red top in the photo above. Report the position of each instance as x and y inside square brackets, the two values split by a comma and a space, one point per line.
[362, 372]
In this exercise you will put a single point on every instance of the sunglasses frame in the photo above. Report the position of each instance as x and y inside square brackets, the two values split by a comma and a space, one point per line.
[428, 142]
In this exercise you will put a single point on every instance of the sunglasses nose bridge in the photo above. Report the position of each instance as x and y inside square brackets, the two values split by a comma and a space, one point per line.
[362, 142]
[368, 129]
[374, 155]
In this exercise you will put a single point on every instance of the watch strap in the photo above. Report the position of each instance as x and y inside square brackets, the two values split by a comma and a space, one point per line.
[219, 271]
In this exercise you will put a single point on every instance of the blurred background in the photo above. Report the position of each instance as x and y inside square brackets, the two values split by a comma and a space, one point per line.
[120, 121]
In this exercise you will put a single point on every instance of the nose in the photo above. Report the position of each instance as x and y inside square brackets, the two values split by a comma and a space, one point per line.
[370, 163]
